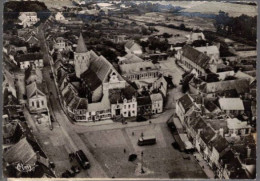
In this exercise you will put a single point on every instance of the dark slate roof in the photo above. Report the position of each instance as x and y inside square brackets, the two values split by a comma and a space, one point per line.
[142, 101]
[29, 57]
[206, 133]
[91, 79]
[196, 56]
[210, 106]
[234, 166]
[118, 95]
[219, 143]
[186, 102]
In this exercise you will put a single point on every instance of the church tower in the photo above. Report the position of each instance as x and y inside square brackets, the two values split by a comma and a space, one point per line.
[81, 57]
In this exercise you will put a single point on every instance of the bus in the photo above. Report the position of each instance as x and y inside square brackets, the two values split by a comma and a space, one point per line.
[82, 159]
[148, 140]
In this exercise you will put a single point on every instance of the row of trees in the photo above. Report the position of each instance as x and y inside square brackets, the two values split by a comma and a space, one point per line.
[242, 26]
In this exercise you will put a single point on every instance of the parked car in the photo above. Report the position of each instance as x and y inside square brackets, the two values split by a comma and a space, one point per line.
[76, 169]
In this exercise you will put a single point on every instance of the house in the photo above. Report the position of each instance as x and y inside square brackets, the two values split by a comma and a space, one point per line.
[233, 106]
[144, 106]
[237, 127]
[123, 102]
[132, 47]
[28, 18]
[60, 44]
[246, 148]
[160, 85]
[210, 107]
[77, 108]
[33, 74]
[211, 51]
[214, 89]
[191, 58]
[231, 167]
[26, 60]
[12, 132]
[195, 36]
[218, 148]
[129, 58]
[185, 106]
[157, 103]
[59, 16]
[139, 70]
[32, 40]
[99, 110]
[37, 101]
[26, 159]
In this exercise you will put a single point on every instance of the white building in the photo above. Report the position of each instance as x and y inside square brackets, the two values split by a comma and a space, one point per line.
[157, 103]
[59, 16]
[123, 102]
[26, 60]
[37, 101]
[132, 47]
[28, 18]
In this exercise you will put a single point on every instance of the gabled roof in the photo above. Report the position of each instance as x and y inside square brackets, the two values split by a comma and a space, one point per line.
[156, 97]
[130, 58]
[210, 106]
[81, 47]
[21, 151]
[34, 89]
[101, 67]
[196, 56]
[231, 104]
[91, 79]
[142, 101]
[208, 49]
[186, 101]
[129, 44]
[219, 143]
[29, 57]
[117, 95]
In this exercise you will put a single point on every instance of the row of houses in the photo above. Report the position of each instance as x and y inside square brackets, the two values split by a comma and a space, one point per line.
[94, 90]
[213, 127]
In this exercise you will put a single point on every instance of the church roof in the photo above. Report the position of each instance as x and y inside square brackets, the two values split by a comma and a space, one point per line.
[81, 47]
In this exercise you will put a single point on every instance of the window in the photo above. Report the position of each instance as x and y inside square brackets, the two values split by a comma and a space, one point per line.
[133, 105]
[38, 104]
[42, 102]
[32, 104]
[133, 112]
[129, 106]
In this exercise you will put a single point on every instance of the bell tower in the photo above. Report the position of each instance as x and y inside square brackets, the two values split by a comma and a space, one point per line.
[81, 57]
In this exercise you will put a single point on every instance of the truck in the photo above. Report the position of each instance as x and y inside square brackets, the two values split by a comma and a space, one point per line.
[148, 140]
[82, 159]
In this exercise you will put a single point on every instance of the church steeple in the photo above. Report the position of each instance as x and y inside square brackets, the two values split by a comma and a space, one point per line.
[81, 47]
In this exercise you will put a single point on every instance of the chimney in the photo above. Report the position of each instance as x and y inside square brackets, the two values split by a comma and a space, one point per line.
[248, 152]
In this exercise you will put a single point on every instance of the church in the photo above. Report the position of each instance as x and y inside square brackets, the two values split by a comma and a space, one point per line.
[93, 78]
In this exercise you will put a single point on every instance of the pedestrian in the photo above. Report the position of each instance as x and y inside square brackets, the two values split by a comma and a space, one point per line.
[124, 150]
[142, 134]
[133, 133]
[150, 122]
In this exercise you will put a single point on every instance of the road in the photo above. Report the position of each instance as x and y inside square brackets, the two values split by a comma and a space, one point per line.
[72, 138]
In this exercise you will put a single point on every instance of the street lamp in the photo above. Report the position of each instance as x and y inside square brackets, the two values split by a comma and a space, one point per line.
[142, 169]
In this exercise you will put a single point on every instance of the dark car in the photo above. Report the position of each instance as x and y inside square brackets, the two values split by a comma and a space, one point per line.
[75, 169]
[171, 125]
[132, 157]
[71, 173]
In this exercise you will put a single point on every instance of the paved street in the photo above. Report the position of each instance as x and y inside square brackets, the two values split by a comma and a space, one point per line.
[159, 160]
[104, 144]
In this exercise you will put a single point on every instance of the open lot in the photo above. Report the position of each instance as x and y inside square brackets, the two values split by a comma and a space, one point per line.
[159, 161]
